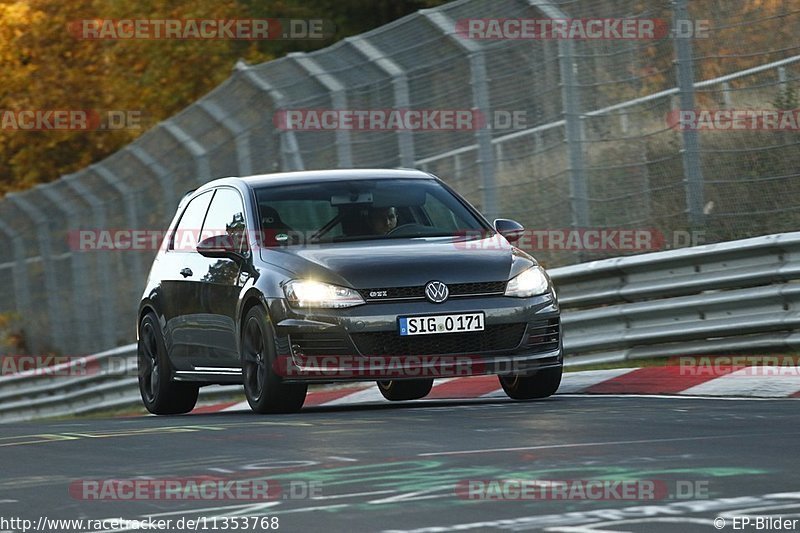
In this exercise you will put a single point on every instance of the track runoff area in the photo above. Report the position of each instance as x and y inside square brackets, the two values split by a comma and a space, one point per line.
[614, 450]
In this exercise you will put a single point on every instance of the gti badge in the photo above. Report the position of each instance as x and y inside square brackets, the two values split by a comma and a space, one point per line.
[436, 291]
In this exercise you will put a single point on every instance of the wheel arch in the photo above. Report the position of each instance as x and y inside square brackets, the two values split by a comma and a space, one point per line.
[145, 308]
[251, 299]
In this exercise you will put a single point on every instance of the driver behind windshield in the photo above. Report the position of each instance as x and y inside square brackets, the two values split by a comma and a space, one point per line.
[381, 220]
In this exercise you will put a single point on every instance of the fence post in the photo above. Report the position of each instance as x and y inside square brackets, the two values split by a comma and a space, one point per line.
[291, 159]
[81, 285]
[344, 153]
[161, 173]
[726, 95]
[22, 292]
[108, 303]
[480, 99]
[131, 216]
[573, 123]
[56, 313]
[782, 87]
[198, 153]
[244, 165]
[405, 141]
[691, 139]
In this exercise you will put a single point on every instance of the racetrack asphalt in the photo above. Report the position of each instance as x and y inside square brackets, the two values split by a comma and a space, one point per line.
[404, 466]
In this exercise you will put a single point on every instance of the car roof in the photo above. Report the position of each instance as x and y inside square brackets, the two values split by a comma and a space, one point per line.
[305, 176]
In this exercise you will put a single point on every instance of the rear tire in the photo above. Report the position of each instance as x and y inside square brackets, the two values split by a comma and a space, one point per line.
[265, 390]
[542, 384]
[161, 395]
[412, 389]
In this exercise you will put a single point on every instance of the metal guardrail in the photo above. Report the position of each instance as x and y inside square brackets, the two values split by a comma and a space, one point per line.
[727, 297]
[83, 385]
[724, 297]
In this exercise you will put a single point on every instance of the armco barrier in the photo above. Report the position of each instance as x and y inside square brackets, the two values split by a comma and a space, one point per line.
[726, 297]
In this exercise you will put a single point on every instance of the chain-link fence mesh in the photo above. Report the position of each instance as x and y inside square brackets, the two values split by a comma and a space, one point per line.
[596, 146]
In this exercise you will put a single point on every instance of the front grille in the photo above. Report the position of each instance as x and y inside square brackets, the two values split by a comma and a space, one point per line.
[418, 292]
[466, 289]
[319, 343]
[493, 338]
[543, 335]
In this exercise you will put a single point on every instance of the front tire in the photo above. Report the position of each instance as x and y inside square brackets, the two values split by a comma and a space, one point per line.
[412, 389]
[161, 395]
[265, 390]
[542, 384]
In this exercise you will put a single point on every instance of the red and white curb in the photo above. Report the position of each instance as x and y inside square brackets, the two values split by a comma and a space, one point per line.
[760, 382]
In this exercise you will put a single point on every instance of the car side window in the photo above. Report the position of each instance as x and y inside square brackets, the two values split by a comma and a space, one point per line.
[187, 232]
[226, 217]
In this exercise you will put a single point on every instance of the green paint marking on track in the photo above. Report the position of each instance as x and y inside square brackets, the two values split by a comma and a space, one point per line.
[411, 476]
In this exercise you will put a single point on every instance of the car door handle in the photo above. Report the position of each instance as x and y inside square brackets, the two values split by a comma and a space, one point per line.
[186, 272]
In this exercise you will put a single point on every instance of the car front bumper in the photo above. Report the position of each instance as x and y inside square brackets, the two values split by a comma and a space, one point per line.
[362, 343]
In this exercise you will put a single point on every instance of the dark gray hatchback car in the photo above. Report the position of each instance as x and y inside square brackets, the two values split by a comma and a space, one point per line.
[277, 281]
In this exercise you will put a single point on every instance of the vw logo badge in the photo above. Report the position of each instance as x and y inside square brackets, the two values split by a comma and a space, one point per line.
[436, 291]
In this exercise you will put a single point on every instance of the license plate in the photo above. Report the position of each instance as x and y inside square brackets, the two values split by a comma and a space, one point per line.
[427, 325]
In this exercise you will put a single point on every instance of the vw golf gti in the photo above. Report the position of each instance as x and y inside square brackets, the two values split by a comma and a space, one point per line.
[278, 281]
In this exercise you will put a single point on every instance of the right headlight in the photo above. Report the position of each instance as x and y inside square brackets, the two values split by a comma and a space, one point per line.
[531, 282]
[307, 293]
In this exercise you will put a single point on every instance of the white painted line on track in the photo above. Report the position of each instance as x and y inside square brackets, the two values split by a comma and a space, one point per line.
[311, 509]
[352, 495]
[237, 407]
[593, 528]
[575, 382]
[591, 444]
[747, 382]
[206, 509]
[372, 394]
[578, 381]
[677, 397]
[637, 514]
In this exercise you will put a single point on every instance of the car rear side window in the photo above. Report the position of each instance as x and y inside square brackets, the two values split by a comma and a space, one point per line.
[226, 217]
[187, 232]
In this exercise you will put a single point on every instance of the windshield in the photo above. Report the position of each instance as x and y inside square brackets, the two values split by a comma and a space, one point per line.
[357, 210]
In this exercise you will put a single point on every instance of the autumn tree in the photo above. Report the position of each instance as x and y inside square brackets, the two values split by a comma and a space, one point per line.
[46, 67]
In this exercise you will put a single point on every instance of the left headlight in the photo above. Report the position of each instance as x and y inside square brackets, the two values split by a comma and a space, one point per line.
[531, 282]
[323, 295]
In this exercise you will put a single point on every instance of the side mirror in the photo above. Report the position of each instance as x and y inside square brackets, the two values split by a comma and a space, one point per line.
[218, 247]
[510, 229]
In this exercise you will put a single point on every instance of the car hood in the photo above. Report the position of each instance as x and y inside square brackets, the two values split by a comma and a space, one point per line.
[402, 262]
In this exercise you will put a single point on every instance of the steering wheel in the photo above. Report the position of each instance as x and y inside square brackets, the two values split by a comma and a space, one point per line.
[397, 229]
